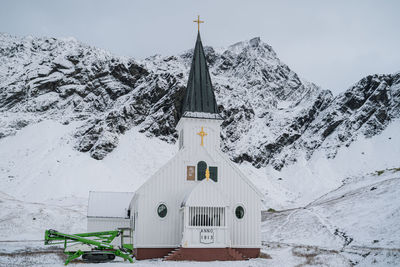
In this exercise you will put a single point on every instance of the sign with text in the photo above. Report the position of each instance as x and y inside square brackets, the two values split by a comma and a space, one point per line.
[206, 236]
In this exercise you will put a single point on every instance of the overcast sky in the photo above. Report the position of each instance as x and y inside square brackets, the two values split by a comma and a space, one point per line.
[330, 43]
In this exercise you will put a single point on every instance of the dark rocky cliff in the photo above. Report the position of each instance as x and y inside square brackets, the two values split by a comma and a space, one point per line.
[270, 114]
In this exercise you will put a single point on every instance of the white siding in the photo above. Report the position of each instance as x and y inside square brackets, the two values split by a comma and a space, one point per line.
[192, 126]
[169, 186]
[108, 204]
[98, 224]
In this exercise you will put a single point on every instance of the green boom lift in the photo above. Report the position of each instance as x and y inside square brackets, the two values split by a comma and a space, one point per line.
[93, 247]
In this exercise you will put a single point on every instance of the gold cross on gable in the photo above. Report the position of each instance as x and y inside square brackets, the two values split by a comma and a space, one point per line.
[198, 22]
[202, 134]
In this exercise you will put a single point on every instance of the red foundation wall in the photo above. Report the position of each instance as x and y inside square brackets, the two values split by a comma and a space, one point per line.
[151, 253]
[195, 254]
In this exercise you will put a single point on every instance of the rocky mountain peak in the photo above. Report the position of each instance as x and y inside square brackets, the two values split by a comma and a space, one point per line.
[271, 114]
[255, 44]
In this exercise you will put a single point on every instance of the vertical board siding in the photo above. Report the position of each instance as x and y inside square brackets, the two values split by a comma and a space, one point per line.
[169, 186]
[99, 224]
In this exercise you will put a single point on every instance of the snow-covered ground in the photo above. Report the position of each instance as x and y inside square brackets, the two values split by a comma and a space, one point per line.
[330, 212]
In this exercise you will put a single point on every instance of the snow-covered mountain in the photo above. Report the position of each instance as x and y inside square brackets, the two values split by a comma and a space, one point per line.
[328, 166]
[329, 212]
[272, 116]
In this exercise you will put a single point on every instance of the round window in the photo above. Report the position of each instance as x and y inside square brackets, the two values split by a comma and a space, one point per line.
[239, 212]
[162, 210]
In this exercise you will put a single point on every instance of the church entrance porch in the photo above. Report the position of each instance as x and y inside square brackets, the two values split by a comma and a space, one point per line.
[205, 227]
[205, 214]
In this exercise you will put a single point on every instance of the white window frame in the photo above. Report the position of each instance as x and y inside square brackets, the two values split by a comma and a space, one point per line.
[158, 216]
[244, 209]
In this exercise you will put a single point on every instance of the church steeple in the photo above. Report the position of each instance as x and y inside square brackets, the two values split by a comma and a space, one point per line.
[199, 97]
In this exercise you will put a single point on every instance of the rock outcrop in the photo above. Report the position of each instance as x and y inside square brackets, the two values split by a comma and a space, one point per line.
[271, 115]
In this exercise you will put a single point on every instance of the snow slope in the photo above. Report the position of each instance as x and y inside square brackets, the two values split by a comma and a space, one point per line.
[307, 179]
[45, 182]
[360, 217]
[40, 164]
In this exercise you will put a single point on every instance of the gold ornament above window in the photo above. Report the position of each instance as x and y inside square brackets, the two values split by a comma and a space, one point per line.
[207, 174]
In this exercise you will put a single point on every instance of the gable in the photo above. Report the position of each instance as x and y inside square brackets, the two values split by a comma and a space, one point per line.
[206, 193]
[176, 170]
[181, 160]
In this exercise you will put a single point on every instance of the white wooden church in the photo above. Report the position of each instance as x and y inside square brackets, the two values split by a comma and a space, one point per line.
[199, 205]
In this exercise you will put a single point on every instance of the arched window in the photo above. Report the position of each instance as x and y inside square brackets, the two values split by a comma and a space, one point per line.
[201, 170]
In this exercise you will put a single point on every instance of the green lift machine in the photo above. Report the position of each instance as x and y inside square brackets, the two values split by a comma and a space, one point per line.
[93, 247]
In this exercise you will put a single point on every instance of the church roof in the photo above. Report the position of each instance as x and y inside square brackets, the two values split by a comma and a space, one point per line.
[199, 96]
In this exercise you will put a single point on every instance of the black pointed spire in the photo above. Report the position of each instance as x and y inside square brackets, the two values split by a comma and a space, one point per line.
[199, 96]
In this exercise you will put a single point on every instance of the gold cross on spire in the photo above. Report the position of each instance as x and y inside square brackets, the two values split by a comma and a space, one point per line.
[202, 134]
[198, 22]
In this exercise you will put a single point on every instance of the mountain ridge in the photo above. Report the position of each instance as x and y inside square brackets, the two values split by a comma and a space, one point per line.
[272, 116]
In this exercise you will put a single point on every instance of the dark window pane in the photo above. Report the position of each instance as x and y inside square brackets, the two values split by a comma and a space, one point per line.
[214, 173]
[239, 212]
[162, 210]
[201, 170]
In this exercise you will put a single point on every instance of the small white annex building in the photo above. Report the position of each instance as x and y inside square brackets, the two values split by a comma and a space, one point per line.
[199, 205]
[109, 211]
